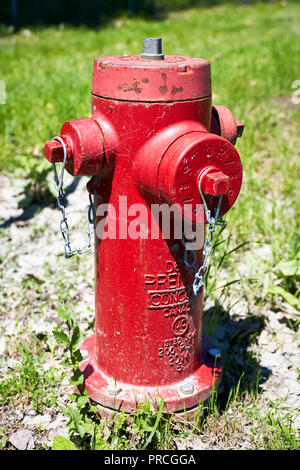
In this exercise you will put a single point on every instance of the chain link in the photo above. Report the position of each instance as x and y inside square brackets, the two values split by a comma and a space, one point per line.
[199, 274]
[62, 203]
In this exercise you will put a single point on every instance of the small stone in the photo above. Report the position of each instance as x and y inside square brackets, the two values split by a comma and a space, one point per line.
[264, 338]
[58, 423]
[290, 347]
[271, 359]
[11, 363]
[2, 345]
[293, 386]
[22, 440]
[36, 421]
[56, 432]
[19, 414]
[192, 442]
[41, 328]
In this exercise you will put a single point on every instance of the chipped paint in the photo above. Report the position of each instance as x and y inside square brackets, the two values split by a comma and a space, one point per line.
[176, 90]
[127, 87]
[163, 89]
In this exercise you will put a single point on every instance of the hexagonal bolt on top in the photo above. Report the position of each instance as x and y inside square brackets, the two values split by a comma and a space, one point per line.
[214, 353]
[152, 49]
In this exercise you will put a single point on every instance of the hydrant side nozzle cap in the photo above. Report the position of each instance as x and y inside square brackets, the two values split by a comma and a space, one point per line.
[239, 127]
[54, 151]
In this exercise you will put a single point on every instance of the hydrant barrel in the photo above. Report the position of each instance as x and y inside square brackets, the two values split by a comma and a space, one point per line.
[151, 143]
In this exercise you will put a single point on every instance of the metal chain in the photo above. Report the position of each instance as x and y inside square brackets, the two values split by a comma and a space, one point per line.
[62, 202]
[199, 274]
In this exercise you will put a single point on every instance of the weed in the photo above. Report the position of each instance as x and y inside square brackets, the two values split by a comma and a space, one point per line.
[280, 435]
[273, 430]
[30, 382]
[288, 275]
[37, 189]
[3, 438]
[70, 341]
[262, 225]
[144, 428]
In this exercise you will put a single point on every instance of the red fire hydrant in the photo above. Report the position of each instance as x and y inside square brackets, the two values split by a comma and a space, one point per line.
[153, 139]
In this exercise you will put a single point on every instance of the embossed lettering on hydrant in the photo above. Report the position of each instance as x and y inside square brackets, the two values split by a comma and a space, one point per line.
[167, 294]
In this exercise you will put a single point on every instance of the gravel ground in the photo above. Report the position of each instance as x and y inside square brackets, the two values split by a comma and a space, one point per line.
[31, 238]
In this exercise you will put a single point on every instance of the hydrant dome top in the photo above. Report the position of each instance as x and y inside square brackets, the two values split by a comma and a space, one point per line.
[133, 78]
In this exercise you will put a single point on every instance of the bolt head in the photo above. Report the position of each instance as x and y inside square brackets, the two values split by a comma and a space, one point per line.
[187, 388]
[214, 353]
[182, 68]
[152, 49]
[113, 390]
[85, 354]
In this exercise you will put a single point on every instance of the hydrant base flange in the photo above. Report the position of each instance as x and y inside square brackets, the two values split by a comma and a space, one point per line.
[182, 395]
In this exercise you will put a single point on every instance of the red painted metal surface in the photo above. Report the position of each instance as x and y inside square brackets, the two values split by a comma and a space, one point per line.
[131, 78]
[152, 139]
[214, 182]
[112, 393]
[225, 124]
[84, 143]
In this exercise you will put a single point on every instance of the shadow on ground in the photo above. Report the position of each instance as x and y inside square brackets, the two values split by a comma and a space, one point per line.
[233, 337]
[29, 211]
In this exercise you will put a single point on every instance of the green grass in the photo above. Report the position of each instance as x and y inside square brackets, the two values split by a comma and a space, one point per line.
[280, 435]
[28, 383]
[244, 421]
[254, 51]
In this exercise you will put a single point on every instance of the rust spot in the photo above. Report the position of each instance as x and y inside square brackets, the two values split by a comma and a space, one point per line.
[164, 76]
[145, 80]
[182, 68]
[176, 90]
[102, 65]
[111, 108]
[163, 89]
[131, 87]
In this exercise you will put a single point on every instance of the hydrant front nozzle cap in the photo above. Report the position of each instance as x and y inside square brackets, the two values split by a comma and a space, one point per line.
[152, 49]
[215, 182]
